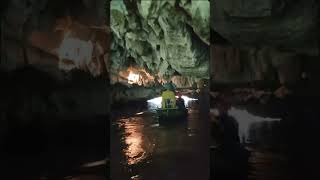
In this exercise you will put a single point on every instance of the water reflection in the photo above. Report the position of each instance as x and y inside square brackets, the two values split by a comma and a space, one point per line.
[134, 151]
[152, 151]
[246, 120]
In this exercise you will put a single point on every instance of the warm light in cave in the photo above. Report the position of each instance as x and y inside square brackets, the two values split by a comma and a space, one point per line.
[134, 75]
[133, 78]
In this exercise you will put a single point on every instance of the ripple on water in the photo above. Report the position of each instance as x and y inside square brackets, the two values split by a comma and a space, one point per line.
[137, 144]
[133, 139]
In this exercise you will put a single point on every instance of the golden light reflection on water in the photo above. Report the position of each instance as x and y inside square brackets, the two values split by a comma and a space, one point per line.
[135, 151]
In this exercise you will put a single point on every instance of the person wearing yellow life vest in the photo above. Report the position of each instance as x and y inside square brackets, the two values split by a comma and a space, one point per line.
[168, 97]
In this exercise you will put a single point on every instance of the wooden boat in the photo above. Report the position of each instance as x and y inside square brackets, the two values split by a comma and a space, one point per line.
[172, 115]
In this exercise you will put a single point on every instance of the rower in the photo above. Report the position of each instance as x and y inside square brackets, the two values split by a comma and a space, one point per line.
[168, 97]
[180, 102]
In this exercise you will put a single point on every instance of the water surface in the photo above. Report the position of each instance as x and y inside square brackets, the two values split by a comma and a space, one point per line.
[141, 148]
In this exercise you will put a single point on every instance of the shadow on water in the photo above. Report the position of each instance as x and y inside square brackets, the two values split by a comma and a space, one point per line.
[149, 150]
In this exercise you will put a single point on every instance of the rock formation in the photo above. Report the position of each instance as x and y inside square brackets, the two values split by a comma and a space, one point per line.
[242, 65]
[54, 61]
[165, 38]
[274, 41]
[52, 36]
[291, 24]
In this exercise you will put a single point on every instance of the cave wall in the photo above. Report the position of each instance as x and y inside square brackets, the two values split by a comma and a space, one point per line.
[243, 65]
[32, 33]
[268, 41]
[166, 38]
[291, 24]
[40, 87]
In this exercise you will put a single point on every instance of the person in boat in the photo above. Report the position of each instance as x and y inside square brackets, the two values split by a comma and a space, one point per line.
[231, 156]
[168, 97]
[229, 125]
[180, 102]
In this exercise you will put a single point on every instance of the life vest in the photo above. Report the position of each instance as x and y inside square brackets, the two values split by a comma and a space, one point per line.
[168, 100]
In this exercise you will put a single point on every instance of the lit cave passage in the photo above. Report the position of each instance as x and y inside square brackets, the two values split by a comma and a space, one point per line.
[54, 113]
[265, 75]
[154, 43]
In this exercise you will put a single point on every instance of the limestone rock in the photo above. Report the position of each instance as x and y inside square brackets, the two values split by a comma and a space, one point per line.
[164, 37]
[284, 23]
[45, 25]
[242, 65]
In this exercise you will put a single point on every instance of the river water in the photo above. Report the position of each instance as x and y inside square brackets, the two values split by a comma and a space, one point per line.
[141, 148]
[280, 138]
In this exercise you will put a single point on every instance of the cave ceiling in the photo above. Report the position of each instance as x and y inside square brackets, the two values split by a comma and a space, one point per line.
[289, 24]
[166, 38]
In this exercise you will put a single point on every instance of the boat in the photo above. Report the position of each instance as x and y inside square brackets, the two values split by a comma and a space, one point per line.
[172, 114]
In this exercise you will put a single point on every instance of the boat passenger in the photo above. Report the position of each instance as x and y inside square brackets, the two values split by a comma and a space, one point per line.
[168, 98]
[180, 102]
